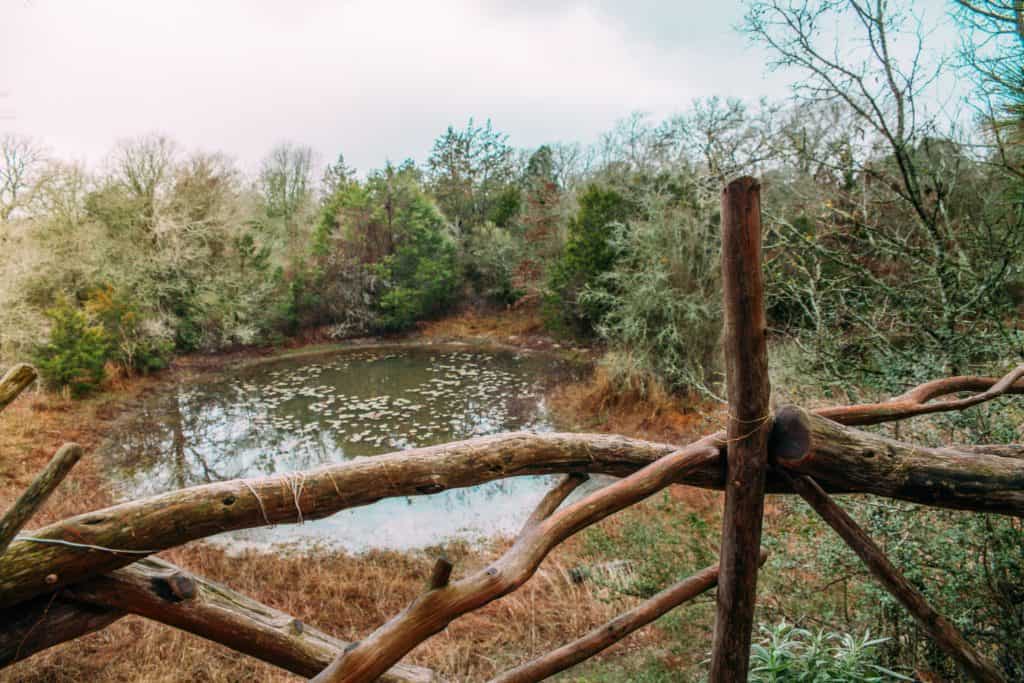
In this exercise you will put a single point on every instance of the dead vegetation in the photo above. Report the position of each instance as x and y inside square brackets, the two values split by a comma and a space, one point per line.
[535, 619]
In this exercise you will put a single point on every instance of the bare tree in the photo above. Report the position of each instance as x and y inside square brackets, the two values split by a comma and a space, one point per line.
[992, 51]
[144, 166]
[22, 162]
[725, 138]
[285, 183]
[881, 75]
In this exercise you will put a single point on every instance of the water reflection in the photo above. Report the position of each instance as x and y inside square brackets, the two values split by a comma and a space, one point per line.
[305, 413]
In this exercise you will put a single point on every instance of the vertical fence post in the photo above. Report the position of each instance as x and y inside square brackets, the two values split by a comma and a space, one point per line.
[746, 366]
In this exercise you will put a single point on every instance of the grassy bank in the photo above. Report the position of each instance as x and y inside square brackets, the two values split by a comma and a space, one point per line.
[809, 580]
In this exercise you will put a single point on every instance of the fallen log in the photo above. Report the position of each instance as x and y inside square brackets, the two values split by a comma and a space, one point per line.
[45, 621]
[101, 541]
[1003, 450]
[160, 591]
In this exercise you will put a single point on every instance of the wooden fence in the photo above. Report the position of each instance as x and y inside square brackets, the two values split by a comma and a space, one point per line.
[81, 574]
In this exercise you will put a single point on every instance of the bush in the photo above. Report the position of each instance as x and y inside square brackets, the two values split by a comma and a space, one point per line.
[662, 296]
[74, 357]
[589, 254]
[134, 345]
[969, 566]
[787, 653]
[421, 276]
[492, 255]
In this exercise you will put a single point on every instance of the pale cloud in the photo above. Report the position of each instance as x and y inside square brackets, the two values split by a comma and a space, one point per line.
[376, 80]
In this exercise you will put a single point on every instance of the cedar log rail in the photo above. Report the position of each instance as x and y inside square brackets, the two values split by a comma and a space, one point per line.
[79, 575]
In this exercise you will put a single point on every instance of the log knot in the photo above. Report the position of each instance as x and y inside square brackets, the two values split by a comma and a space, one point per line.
[177, 587]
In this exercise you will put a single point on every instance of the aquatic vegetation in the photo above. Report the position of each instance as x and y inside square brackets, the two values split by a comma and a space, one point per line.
[299, 414]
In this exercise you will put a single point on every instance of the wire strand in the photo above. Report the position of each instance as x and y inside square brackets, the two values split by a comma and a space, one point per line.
[85, 546]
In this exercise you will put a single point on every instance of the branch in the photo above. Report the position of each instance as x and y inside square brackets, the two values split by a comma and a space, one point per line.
[37, 493]
[916, 401]
[145, 526]
[847, 460]
[440, 576]
[552, 499]
[943, 632]
[158, 590]
[45, 621]
[605, 636]
[148, 525]
[434, 610]
[14, 382]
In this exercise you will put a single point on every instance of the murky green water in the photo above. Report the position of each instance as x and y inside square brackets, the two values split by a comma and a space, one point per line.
[300, 414]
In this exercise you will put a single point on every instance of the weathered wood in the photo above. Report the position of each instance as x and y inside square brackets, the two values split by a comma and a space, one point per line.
[1003, 450]
[177, 517]
[746, 371]
[45, 621]
[441, 574]
[174, 518]
[917, 401]
[152, 588]
[844, 459]
[15, 381]
[161, 591]
[37, 493]
[434, 610]
[605, 636]
[941, 630]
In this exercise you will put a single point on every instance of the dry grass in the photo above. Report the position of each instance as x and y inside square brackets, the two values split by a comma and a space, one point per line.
[345, 595]
[601, 403]
[520, 326]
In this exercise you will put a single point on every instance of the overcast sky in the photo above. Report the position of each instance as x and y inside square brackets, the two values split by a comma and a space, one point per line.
[375, 79]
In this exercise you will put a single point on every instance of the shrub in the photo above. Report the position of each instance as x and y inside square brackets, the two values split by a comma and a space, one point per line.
[787, 653]
[421, 276]
[589, 253]
[78, 348]
[135, 345]
[492, 255]
[662, 296]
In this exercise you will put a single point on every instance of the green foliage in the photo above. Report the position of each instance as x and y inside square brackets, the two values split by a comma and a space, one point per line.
[651, 670]
[74, 356]
[492, 253]
[506, 207]
[469, 173]
[421, 276]
[131, 345]
[659, 546]
[787, 654]
[589, 254]
[969, 566]
[662, 296]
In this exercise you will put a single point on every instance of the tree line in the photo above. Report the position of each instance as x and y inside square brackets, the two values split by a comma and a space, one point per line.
[894, 230]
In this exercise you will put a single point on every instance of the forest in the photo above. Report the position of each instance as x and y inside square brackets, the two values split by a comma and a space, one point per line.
[893, 216]
[893, 230]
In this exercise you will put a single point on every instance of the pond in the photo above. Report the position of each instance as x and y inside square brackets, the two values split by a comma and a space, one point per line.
[302, 413]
